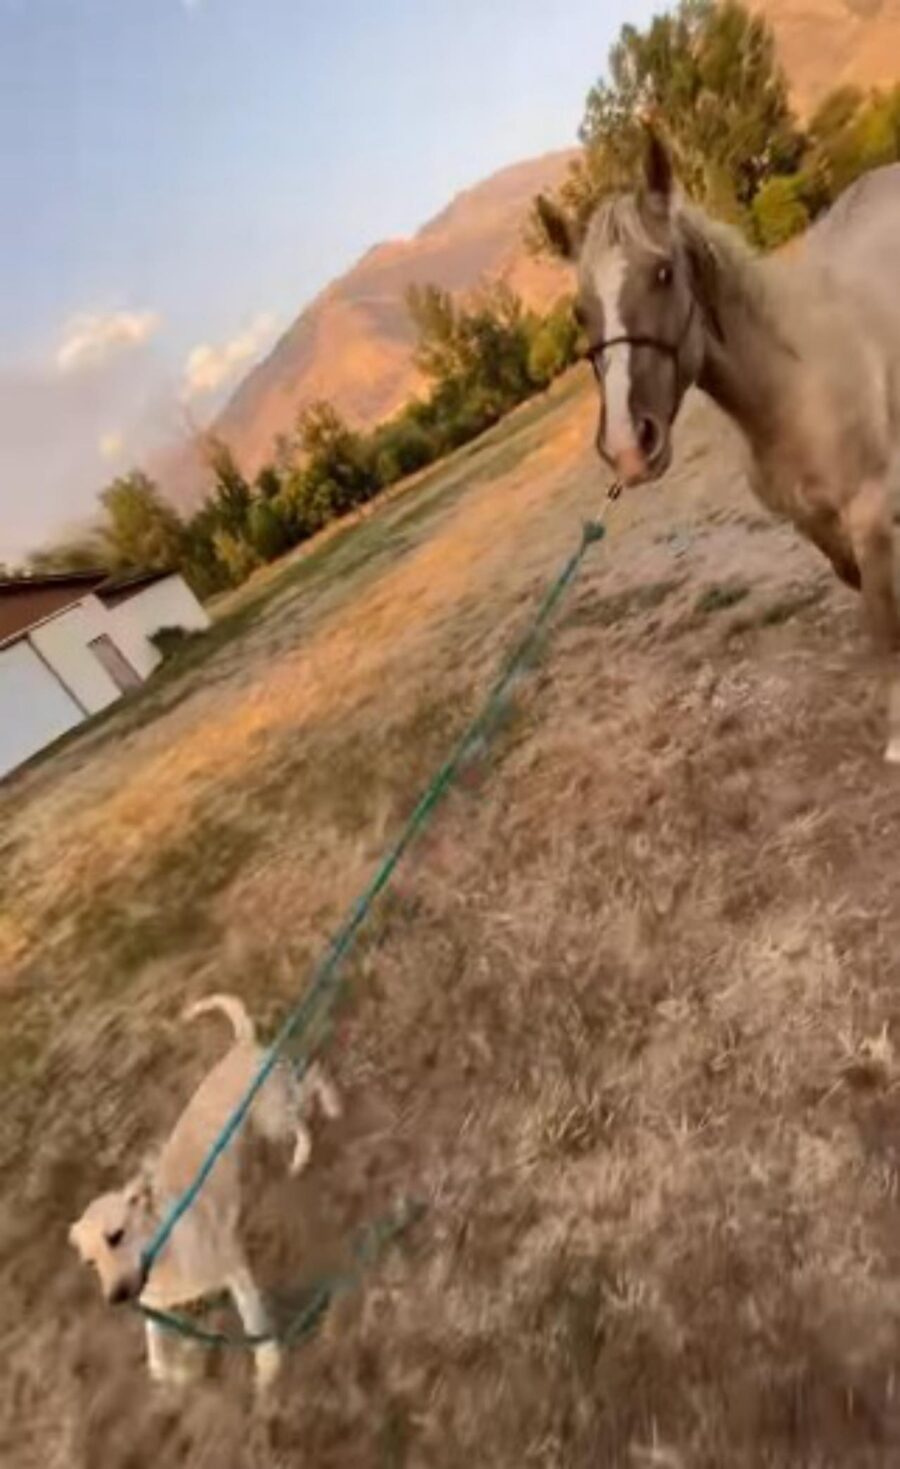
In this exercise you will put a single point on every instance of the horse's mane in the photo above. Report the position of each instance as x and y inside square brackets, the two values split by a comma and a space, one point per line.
[725, 270]
[617, 222]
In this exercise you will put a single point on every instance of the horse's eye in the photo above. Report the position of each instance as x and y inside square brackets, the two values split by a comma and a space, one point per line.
[664, 273]
[115, 1238]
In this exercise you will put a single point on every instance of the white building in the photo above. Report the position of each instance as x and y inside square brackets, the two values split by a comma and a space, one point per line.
[72, 644]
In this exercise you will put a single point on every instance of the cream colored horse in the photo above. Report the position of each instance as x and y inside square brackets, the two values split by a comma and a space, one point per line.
[802, 351]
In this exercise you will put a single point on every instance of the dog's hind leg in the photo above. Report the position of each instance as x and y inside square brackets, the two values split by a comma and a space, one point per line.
[326, 1093]
[255, 1321]
[302, 1148]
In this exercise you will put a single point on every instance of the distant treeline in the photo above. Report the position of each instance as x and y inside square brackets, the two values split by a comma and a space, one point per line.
[480, 357]
[708, 75]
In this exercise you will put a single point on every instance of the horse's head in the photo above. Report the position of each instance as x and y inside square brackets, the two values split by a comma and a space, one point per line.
[637, 307]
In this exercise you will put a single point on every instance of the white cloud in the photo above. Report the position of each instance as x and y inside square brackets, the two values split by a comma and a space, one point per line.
[89, 339]
[111, 447]
[207, 367]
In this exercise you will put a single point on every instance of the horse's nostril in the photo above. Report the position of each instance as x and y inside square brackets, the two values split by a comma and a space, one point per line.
[649, 436]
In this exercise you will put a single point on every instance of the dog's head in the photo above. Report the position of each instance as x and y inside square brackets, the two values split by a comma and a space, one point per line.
[112, 1234]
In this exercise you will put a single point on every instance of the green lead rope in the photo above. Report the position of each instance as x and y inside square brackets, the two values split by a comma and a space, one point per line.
[322, 992]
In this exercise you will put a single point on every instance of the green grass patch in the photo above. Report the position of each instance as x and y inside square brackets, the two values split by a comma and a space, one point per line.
[162, 907]
[719, 597]
[618, 607]
[782, 610]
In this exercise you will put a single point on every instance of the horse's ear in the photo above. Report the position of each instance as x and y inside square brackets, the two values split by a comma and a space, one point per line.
[659, 179]
[564, 239]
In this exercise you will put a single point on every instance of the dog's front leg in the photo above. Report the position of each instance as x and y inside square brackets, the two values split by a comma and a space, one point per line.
[255, 1320]
[156, 1354]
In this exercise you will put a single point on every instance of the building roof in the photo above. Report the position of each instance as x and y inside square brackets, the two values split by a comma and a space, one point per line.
[14, 584]
[26, 601]
[116, 589]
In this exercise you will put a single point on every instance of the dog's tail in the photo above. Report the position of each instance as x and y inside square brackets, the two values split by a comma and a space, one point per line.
[230, 1005]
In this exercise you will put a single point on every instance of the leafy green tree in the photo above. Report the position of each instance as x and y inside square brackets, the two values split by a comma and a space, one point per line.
[401, 447]
[709, 72]
[849, 133]
[267, 532]
[336, 459]
[236, 555]
[553, 345]
[779, 212]
[86, 553]
[231, 492]
[268, 482]
[140, 528]
[476, 355]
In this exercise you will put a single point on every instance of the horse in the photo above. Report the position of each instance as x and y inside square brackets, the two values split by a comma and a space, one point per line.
[800, 349]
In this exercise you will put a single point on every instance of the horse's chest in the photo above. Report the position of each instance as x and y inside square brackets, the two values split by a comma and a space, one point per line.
[785, 483]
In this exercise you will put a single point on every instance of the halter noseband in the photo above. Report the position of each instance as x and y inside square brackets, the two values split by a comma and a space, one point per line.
[672, 350]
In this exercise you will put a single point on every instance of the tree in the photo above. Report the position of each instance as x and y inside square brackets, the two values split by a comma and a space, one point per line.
[267, 532]
[236, 555]
[140, 528]
[86, 553]
[849, 133]
[231, 491]
[200, 564]
[337, 460]
[779, 212]
[401, 447]
[268, 482]
[476, 354]
[709, 72]
[553, 345]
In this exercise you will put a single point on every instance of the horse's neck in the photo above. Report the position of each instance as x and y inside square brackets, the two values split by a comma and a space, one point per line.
[745, 357]
[732, 383]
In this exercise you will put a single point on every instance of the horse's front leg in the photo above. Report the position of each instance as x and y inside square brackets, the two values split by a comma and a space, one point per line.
[826, 531]
[869, 526]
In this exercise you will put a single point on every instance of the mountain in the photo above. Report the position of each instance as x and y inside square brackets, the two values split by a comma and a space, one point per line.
[824, 44]
[353, 344]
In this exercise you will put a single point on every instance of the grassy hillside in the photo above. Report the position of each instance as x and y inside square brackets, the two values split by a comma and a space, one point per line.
[625, 1021]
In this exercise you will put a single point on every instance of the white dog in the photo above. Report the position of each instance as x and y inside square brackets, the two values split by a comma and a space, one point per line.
[203, 1256]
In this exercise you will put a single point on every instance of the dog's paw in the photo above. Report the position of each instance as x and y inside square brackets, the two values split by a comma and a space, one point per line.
[302, 1152]
[268, 1365]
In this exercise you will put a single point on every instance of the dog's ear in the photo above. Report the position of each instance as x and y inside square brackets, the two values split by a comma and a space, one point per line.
[139, 1190]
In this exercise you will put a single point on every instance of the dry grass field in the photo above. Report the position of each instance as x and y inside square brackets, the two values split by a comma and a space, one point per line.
[625, 1022]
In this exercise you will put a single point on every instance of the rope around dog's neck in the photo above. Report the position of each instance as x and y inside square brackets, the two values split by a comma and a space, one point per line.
[321, 995]
[370, 1245]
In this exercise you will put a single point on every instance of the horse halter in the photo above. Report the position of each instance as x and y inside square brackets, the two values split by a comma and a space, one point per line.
[672, 350]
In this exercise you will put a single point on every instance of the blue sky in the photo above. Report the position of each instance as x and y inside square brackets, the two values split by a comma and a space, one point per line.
[180, 176]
